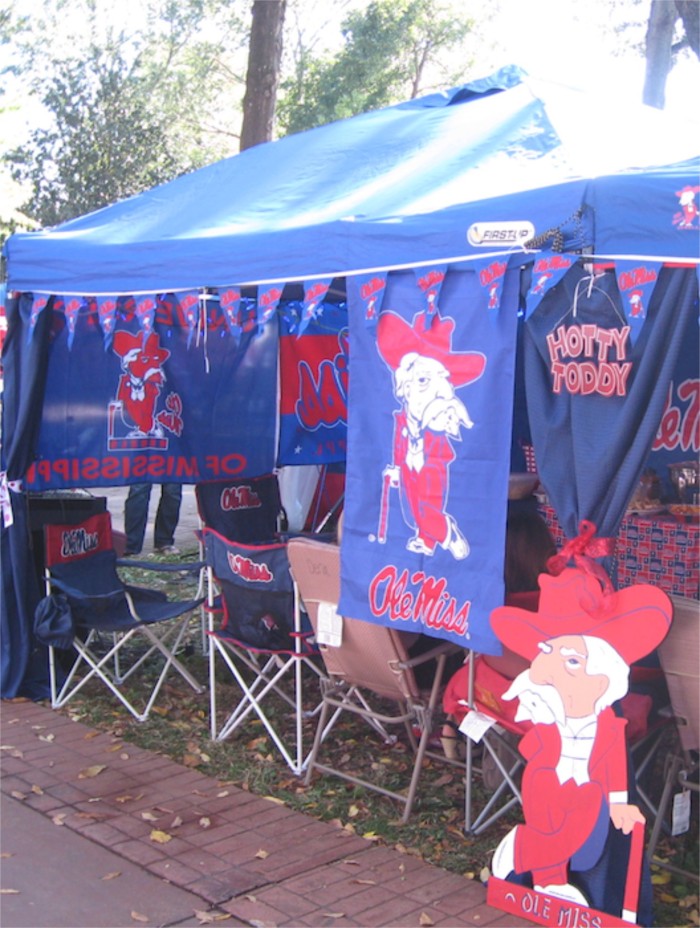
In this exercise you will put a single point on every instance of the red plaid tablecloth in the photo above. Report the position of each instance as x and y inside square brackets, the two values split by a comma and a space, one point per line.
[657, 549]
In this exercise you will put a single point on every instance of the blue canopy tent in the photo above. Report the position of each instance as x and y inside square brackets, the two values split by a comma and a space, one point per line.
[526, 191]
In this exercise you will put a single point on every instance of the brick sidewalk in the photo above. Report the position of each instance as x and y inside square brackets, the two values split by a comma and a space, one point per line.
[245, 855]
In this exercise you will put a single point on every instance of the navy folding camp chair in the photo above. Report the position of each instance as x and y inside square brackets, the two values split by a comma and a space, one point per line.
[244, 509]
[263, 643]
[111, 629]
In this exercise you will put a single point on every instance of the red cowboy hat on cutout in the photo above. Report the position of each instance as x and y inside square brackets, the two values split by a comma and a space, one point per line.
[396, 338]
[633, 620]
[126, 343]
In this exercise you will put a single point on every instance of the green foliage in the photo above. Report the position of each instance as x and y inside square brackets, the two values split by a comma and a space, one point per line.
[123, 110]
[391, 50]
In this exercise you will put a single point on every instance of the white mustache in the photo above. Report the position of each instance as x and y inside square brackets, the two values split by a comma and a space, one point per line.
[539, 703]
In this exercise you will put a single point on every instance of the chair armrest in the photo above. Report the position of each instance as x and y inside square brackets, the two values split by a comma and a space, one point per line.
[447, 648]
[160, 567]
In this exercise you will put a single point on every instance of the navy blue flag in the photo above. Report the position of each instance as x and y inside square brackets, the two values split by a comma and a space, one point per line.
[146, 411]
[429, 435]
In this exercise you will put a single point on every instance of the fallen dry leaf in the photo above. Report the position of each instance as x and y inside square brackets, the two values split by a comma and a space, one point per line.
[262, 854]
[206, 918]
[149, 817]
[176, 822]
[17, 795]
[191, 760]
[425, 919]
[138, 917]
[222, 794]
[48, 738]
[334, 914]
[37, 790]
[484, 874]
[9, 892]
[205, 822]
[365, 882]
[111, 876]
[91, 771]
[59, 818]
[4, 854]
[160, 837]
[90, 735]
[275, 799]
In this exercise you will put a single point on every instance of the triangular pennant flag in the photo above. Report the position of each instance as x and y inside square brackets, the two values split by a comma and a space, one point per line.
[189, 307]
[107, 314]
[230, 304]
[145, 313]
[314, 293]
[636, 281]
[372, 289]
[269, 296]
[547, 271]
[491, 273]
[71, 308]
[38, 304]
[430, 281]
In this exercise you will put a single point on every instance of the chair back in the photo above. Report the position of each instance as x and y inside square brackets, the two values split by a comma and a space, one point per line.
[679, 655]
[369, 655]
[256, 588]
[247, 510]
[82, 555]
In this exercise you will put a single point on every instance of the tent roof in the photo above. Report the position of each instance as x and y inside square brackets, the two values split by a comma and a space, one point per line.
[389, 188]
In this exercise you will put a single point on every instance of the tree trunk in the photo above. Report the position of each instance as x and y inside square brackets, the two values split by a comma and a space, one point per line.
[662, 17]
[262, 79]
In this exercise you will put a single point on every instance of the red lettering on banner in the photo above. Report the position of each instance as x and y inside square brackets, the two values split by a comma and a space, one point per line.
[597, 362]
[680, 429]
[370, 287]
[552, 263]
[113, 469]
[430, 604]
[248, 569]
[637, 277]
[270, 297]
[494, 270]
[324, 401]
[316, 291]
[431, 279]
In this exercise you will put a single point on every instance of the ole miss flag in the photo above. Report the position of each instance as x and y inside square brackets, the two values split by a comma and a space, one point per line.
[429, 435]
[314, 379]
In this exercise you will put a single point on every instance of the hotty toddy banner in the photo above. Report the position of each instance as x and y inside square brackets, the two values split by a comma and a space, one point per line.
[429, 431]
[589, 359]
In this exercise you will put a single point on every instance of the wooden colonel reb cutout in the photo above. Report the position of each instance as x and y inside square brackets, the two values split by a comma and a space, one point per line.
[580, 644]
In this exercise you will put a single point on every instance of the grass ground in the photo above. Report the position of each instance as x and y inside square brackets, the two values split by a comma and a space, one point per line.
[179, 728]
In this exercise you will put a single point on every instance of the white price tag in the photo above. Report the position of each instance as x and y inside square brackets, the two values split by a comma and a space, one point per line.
[330, 625]
[680, 819]
[475, 725]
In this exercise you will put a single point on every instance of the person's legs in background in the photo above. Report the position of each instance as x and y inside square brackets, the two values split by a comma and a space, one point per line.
[167, 518]
[136, 516]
